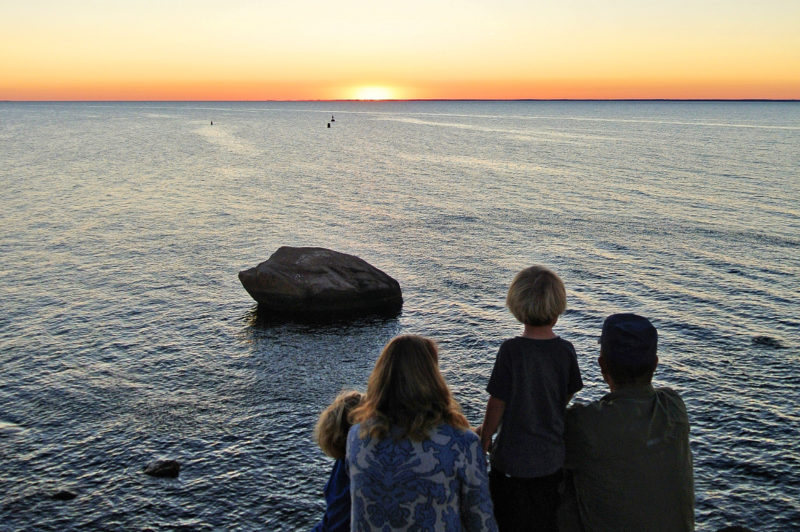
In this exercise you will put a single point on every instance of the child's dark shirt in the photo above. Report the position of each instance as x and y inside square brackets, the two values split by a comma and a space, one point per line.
[535, 379]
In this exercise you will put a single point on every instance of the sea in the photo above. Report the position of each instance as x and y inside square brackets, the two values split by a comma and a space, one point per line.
[126, 336]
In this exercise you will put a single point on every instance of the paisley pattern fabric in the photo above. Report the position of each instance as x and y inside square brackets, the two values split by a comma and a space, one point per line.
[437, 484]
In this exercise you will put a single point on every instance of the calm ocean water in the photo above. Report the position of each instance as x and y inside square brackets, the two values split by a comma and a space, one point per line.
[125, 335]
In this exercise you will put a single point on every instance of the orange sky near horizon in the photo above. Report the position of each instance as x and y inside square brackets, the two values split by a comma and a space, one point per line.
[434, 49]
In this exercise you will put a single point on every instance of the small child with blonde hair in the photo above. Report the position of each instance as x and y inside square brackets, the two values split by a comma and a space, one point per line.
[330, 434]
[533, 379]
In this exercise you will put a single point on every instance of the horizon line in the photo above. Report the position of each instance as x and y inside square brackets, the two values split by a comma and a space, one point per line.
[308, 100]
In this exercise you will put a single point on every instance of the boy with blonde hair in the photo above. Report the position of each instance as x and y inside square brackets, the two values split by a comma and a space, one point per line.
[330, 434]
[534, 377]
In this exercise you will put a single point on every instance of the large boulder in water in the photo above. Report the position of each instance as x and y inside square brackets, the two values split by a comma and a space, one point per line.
[319, 282]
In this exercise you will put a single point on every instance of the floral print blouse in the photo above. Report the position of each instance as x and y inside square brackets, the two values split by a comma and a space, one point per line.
[436, 484]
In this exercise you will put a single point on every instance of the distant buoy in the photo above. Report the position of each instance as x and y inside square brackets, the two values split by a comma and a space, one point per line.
[329, 124]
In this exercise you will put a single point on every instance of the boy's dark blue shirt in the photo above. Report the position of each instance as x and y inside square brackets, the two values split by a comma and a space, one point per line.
[337, 497]
[535, 379]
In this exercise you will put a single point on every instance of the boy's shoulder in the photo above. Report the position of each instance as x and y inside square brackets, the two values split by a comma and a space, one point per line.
[520, 343]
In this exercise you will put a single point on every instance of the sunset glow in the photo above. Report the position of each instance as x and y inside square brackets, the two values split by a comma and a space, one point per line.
[374, 93]
[354, 49]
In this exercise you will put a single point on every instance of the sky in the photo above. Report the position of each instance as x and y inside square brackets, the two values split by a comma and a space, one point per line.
[414, 49]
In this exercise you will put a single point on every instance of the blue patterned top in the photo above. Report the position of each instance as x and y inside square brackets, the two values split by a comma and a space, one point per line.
[436, 484]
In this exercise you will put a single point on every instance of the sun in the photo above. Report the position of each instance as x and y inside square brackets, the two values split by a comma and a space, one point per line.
[374, 92]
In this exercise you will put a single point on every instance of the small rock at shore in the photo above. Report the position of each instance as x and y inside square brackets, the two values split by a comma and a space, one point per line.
[163, 468]
[319, 282]
[63, 495]
[768, 341]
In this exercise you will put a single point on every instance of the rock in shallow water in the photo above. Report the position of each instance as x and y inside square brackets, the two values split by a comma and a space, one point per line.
[163, 468]
[319, 282]
[63, 495]
[768, 341]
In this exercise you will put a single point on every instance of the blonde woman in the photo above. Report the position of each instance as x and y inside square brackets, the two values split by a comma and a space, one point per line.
[412, 458]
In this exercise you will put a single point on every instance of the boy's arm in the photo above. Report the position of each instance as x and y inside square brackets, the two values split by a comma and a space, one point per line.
[494, 413]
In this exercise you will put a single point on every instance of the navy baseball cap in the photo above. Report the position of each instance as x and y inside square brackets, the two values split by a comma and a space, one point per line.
[629, 340]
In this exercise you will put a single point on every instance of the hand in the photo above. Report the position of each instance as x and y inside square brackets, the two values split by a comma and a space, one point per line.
[478, 430]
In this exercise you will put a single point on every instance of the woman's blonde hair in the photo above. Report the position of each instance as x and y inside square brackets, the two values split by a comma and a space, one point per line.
[406, 390]
[334, 424]
[536, 296]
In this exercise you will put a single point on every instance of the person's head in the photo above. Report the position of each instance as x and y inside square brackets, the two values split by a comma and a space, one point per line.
[536, 296]
[406, 390]
[628, 347]
[334, 423]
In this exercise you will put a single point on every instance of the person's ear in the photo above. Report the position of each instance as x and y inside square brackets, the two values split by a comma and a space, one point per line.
[604, 371]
